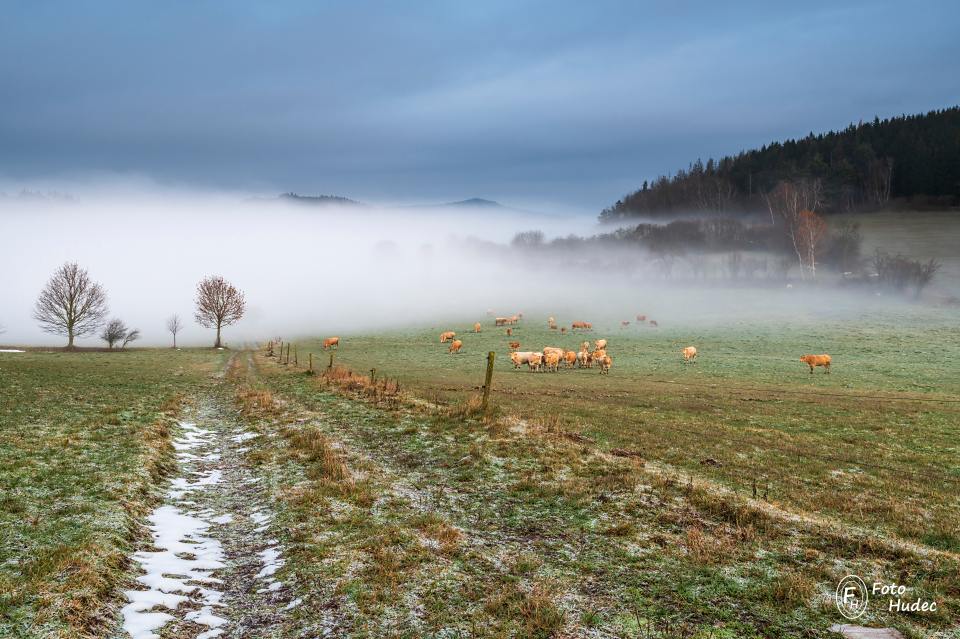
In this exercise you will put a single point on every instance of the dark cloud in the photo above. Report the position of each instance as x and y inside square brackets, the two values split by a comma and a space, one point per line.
[562, 102]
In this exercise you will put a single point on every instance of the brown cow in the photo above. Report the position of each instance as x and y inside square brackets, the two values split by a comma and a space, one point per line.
[653, 323]
[552, 361]
[514, 346]
[509, 332]
[624, 323]
[535, 362]
[446, 336]
[553, 349]
[605, 364]
[520, 358]
[455, 346]
[563, 330]
[476, 327]
[600, 344]
[817, 360]
[598, 354]
[501, 321]
[569, 359]
[331, 342]
[689, 353]
[585, 359]
[641, 318]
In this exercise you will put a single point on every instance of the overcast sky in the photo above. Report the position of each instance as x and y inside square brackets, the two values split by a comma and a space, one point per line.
[534, 103]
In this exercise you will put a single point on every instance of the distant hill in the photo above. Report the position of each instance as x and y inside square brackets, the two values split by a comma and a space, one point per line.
[319, 200]
[910, 160]
[475, 202]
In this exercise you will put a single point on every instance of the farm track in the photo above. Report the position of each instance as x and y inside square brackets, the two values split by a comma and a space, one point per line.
[209, 571]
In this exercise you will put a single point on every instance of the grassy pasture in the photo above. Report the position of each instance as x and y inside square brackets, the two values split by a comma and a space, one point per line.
[83, 440]
[873, 444]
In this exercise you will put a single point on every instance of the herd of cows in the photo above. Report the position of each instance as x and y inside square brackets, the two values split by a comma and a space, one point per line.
[553, 358]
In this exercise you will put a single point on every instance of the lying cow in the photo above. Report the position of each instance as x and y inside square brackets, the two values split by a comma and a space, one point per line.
[331, 342]
[817, 360]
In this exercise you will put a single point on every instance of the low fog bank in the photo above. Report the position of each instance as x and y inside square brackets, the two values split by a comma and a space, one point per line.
[342, 269]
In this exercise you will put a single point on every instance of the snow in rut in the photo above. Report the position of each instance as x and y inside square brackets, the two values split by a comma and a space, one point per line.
[211, 568]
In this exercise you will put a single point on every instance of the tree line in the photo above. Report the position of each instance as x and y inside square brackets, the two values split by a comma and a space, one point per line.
[913, 159]
[73, 305]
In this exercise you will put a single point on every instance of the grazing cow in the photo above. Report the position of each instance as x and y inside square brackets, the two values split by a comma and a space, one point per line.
[605, 364]
[553, 349]
[331, 342]
[817, 360]
[552, 361]
[563, 330]
[600, 344]
[641, 318]
[624, 323]
[653, 323]
[520, 358]
[585, 359]
[455, 346]
[446, 336]
[569, 359]
[585, 326]
[509, 332]
[476, 327]
[689, 353]
[501, 321]
[535, 362]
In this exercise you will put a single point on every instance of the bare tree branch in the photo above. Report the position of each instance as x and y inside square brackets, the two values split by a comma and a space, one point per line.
[71, 304]
[219, 304]
[174, 325]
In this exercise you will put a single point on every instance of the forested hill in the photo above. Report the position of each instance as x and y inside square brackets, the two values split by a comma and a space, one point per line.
[911, 160]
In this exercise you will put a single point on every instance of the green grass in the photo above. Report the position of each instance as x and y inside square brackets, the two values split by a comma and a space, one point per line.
[873, 444]
[83, 440]
[553, 537]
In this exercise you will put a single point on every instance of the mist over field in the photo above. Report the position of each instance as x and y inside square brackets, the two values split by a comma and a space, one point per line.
[309, 270]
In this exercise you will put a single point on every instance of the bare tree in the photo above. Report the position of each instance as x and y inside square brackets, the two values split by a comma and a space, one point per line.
[811, 231]
[115, 331]
[174, 326]
[71, 304]
[219, 304]
[131, 336]
[790, 200]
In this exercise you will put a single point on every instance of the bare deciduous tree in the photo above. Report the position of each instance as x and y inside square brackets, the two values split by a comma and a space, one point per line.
[219, 304]
[811, 231]
[174, 325]
[789, 200]
[71, 304]
[132, 336]
[115, 331]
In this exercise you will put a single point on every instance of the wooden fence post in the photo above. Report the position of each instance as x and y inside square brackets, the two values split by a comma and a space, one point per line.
[373, 376]
[488, 379]
[296, 362]
[280, 353]
[330, 365]
[311, 362]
